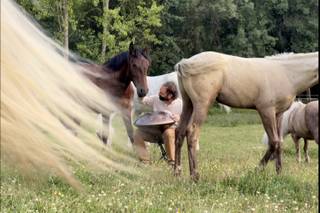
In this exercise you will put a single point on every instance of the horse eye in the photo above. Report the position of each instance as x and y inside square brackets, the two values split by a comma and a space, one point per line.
[134, 65]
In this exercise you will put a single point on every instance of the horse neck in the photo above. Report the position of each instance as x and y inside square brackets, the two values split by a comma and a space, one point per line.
[125, 75]
[302, 72]
[122, 75]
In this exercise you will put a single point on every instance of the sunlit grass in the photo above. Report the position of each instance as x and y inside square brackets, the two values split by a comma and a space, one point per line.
[228, 182]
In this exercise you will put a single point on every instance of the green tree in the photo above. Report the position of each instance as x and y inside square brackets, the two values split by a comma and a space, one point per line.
[176, 29]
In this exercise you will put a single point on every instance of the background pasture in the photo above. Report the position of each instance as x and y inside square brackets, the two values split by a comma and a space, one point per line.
[230, 149]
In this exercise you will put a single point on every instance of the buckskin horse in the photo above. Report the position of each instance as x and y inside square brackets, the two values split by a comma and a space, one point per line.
[268, 85]
[115, 76]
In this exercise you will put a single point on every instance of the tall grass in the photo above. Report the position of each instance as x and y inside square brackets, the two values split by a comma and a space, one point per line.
[229, 182]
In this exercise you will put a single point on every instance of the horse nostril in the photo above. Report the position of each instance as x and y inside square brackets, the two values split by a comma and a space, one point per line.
[142, 93]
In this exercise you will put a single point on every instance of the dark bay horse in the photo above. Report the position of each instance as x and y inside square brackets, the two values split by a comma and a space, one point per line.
[115, 76]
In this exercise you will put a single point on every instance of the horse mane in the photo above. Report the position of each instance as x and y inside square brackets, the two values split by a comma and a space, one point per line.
[291, 55]
[116, 62]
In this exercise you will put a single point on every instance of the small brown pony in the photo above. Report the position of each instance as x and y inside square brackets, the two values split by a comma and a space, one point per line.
[301, 121]
[115, 76]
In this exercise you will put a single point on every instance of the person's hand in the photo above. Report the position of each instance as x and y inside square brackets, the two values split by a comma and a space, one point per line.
[175, 117]
[140, 99]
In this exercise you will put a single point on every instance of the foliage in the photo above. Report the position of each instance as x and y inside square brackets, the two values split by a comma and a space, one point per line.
[175, 29]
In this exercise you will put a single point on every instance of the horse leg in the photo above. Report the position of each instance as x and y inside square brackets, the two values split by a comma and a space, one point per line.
[192, 140]
[103, 133]
[193, 133]
[186, 117]
[269, 121]
[126, 117]
[278, 150]
[315, 133]
[180, 135]
[305, 149]
[296, 143]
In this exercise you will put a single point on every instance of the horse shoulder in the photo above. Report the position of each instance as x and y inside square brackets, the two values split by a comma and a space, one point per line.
[128, 92]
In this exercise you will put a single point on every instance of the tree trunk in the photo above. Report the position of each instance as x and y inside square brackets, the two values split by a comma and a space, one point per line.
[104, 25]
[66, 27]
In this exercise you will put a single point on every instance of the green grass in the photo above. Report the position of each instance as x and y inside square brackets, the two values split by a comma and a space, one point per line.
[230, 149]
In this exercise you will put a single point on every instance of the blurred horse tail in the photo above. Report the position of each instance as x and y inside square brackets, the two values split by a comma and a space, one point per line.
[40, 90]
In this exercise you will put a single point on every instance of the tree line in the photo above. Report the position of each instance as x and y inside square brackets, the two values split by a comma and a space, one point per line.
[176, 29]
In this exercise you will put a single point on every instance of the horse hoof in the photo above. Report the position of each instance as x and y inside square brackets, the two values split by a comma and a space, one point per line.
[103, 138]
[272, 157]
[177, 172]
[278, 170]
[259, 168]
[195, 177]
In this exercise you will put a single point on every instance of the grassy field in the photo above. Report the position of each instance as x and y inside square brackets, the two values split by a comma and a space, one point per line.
[230, 149]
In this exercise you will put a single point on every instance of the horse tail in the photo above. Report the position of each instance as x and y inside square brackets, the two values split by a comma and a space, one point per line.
[265, 139]
[41, 96]
[187, 108]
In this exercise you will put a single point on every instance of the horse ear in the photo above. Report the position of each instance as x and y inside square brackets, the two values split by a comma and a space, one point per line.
[132, 49]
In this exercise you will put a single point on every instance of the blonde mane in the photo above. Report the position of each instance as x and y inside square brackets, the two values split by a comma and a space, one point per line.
[291, 55]
[40, 90]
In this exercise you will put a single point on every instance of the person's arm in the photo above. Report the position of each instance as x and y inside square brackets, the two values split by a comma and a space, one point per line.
[175, 117]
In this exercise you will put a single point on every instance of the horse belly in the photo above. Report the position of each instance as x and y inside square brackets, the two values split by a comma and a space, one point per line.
[237, 98]
[299, 125]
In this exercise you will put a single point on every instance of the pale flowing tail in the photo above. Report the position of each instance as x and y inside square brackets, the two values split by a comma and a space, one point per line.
[40, 91]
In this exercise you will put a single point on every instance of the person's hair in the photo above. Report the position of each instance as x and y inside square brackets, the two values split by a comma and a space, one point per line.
[172, 89]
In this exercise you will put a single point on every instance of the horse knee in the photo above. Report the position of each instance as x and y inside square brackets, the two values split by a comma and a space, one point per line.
[275, 145]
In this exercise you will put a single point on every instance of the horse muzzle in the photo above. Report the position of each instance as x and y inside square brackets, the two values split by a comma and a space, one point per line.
[142, 92]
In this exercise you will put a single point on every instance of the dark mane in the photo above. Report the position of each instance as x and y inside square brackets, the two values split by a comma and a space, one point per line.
[116, 62]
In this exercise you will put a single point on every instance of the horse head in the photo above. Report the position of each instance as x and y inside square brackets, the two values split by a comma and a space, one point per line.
[139, 63]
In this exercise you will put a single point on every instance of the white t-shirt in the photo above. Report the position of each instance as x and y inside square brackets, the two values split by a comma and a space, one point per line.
[157, 105]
